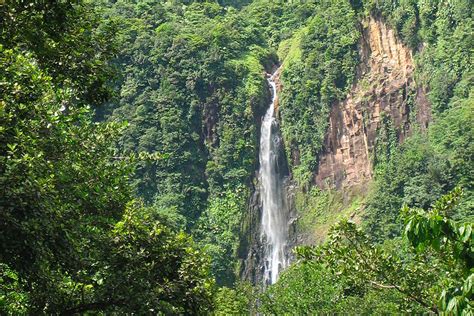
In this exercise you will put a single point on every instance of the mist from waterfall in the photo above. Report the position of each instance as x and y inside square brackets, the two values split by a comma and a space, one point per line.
[274, 230]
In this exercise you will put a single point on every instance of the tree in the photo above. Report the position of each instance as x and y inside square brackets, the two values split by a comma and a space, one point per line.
[144, 267]
[68, 39]
[435, 273]
[453, 243]
[71, 241]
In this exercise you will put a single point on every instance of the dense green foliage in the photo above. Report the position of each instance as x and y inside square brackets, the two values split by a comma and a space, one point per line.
[68, 39]
[373, 270]
[322, 75]
[127, 126]
[433, 273]
[237, 300]
[430, 165]
[423, 169]
[309, 288]
[192, 89]
[72, 240]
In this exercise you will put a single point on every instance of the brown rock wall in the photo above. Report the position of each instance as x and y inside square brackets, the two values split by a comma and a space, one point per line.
[385, 84]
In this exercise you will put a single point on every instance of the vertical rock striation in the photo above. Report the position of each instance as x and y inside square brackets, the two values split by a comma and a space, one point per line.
[385, 84]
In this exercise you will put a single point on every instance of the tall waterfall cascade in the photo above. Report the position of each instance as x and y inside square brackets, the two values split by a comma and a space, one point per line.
[273, 198]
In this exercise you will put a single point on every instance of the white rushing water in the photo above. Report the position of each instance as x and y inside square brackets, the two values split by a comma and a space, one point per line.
[274, 232]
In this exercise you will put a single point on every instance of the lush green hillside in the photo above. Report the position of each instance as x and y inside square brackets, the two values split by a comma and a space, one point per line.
[129, 148]
[73, 237]
[413, 260]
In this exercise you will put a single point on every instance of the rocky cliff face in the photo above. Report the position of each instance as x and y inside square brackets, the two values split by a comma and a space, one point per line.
[385, 84]
[384, 87]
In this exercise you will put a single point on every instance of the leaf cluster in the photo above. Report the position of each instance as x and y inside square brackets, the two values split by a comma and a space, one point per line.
[431, 273]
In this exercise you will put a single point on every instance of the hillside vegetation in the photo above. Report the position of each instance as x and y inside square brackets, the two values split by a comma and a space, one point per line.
[129, 143]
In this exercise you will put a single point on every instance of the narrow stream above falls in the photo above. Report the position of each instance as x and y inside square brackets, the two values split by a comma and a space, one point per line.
[274, 206]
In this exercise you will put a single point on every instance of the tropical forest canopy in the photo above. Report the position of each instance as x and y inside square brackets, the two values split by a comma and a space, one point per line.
[129, 143]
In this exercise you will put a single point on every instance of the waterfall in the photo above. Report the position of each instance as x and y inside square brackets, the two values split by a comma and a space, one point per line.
[274, 229]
